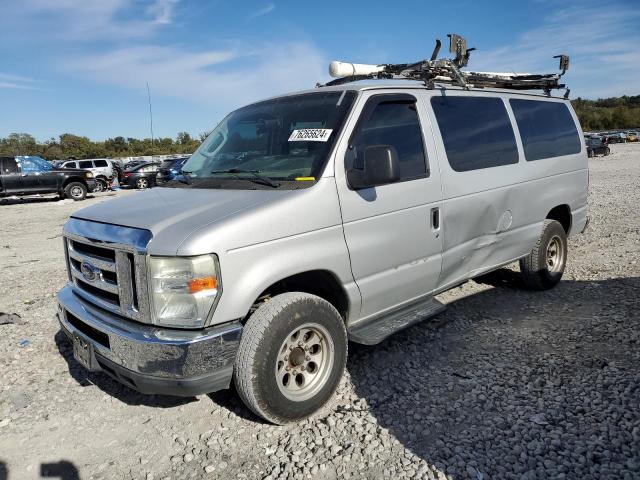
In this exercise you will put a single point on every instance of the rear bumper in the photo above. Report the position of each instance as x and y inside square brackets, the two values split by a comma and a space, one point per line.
[150, 359]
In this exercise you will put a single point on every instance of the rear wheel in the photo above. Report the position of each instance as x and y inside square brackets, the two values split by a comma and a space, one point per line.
[142, 183]
[101, 185]
[543, 267]
[607, 151]
[76, 191]
[291, 357]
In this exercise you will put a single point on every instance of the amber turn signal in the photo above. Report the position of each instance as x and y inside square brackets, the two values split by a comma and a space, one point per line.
[199, 284]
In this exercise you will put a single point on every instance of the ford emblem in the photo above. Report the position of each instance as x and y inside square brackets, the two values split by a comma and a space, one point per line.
[89, 272]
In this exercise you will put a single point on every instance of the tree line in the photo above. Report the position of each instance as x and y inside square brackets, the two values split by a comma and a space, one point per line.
[68, 145]
[608, 113]
[602, 114]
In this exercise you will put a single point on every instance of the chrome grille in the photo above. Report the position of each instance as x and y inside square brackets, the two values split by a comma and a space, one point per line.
[109, 274]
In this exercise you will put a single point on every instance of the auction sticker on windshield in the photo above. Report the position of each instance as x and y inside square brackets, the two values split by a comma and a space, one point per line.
[310, 135]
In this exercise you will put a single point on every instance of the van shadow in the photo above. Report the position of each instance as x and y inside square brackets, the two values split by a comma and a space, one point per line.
[460, 390]
[110, 386]
[40, 199]
[62, 470]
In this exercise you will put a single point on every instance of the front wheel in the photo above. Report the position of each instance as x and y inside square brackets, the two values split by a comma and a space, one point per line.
[291, 357]
[543, 267]
[76, 191]
[142, 183]
[607, 151]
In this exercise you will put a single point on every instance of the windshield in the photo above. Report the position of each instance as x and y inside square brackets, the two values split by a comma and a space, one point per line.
[286, 139]
[32, 164]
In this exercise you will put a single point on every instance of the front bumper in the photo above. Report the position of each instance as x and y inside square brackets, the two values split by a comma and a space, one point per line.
[151, 359]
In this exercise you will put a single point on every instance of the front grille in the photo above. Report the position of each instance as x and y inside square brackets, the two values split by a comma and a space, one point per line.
[108, 276]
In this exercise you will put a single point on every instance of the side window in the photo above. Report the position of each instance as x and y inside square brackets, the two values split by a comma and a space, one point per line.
[547, 129]
[395, 123]
[100, 163]
[476, 132]
[70, 165]
[8, 166]
[86, 164]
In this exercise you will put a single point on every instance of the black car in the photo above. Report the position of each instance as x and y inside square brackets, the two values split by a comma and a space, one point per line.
[170, 168]
[141, 176]
[597, 146]
[30, 175]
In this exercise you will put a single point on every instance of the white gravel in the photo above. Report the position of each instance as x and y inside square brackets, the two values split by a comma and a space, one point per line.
[506, 383]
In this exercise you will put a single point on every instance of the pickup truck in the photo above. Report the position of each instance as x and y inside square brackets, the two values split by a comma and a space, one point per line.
[30, 175]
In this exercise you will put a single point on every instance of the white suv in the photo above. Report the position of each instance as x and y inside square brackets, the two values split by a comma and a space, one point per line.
[101, 168]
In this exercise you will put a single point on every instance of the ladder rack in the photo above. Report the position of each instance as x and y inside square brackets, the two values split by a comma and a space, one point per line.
[436, 70]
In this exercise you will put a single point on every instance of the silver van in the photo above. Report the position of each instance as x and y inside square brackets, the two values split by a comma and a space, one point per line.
[315, 218]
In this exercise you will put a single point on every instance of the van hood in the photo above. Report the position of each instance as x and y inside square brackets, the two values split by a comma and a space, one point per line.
[172, 214]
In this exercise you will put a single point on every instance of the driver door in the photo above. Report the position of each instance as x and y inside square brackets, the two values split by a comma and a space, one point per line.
[392, 231]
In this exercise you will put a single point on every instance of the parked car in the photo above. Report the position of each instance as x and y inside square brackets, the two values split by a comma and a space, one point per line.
[317, 217]
[30, 175]
[141, 176]
[102, 169]
[169, 169]
[632, 136]
[596, 146]
[133, 163]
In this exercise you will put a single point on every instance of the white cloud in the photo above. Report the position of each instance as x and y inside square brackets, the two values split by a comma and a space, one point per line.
[90, 19]
[16, 82]
[226, 78]
[600, 40]
[270, 7]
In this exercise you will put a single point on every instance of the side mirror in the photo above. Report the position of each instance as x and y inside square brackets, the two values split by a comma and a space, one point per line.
[381, 166]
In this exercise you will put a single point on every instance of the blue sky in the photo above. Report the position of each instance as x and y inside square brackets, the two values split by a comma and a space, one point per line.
[81, 66]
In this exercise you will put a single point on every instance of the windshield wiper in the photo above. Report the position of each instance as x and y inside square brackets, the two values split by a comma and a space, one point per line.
[183, 176]
[256, 177]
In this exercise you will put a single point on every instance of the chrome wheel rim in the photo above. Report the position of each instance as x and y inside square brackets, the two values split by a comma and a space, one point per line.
[304, 363]
[555, 254]
[76, 192]
[142, 183]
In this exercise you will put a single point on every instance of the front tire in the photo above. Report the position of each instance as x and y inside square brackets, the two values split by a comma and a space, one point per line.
[142, 183]
[542, 269]
[75, 190]
[291, 357]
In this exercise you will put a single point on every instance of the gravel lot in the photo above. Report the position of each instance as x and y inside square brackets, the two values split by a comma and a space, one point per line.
[504, 384]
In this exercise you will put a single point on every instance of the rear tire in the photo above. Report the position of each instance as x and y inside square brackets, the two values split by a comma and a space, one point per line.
[75, 190]
[543, 267]
[607, 151]
[291, 357]
[101, 185]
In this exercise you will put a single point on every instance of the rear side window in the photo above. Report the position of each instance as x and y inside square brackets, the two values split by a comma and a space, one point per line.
[9, 165]
[394, 123]
[100, 163]
[476, 132]
[547, 129]
[85, 164]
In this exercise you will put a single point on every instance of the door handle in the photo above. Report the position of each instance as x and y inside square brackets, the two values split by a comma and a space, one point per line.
[435, 220]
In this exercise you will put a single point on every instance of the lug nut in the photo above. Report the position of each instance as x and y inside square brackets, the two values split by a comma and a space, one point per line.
[300, 344]
[287, 368]
[303, 368]
[307, 358]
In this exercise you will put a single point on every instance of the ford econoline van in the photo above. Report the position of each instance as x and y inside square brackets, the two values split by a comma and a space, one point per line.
[312, 219]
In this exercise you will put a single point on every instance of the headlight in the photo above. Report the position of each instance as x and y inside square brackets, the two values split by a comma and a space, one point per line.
[183, 290]
[89, 175]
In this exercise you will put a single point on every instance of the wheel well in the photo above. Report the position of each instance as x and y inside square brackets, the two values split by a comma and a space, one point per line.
[315, 282]
[73, 179]
[562, 214]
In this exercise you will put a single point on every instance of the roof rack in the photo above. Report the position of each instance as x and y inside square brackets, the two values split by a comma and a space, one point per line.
[446, 70]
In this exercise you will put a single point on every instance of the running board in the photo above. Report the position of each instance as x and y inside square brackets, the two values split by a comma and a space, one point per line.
[371, 332]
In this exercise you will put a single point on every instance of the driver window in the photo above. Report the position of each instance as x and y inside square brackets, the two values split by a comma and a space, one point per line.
[394, 123]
